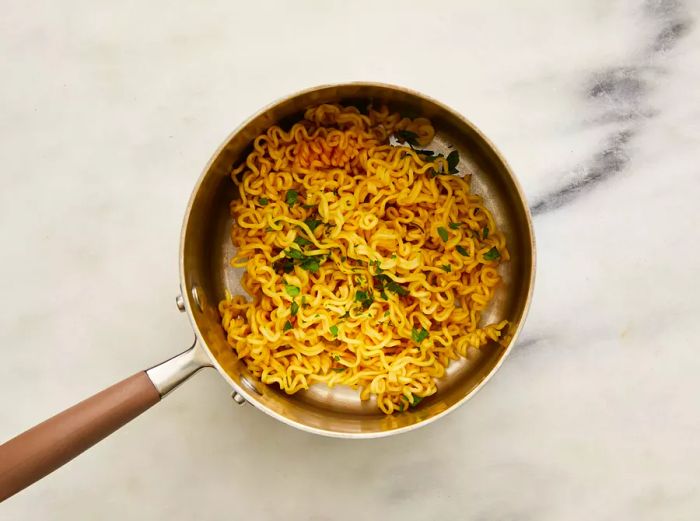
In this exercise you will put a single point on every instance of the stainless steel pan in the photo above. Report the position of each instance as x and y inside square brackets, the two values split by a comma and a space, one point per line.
[205, 250]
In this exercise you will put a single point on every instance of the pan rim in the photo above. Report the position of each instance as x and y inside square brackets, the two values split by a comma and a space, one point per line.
[251, 397]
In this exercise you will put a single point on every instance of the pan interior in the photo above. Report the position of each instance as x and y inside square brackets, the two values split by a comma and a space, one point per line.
[207, 249]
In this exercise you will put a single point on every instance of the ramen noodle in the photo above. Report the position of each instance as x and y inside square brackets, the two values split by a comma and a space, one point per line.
[367, 259]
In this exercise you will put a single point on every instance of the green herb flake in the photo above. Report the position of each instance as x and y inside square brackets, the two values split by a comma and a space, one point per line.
[425, 153]
[288, 325]
[455, 226]
[447, 268]
[395, 287]
[452, 162]
[486, 232]
[284, 265]
[335, 356]
[462, 250]
[334, 331]
[364, 298]
[294, 254]
[387, 313]
[442, 232]
[311, 264]
[292, 291]
[308, 206]
[312, 223]
[295, 308]
[263, 201]
[492, 254]
[394, 256]
[303, 301]
[384, 295]
[418, 335]
[409, 137]
[338, 369]
[291, 197]
[416, 400]
[301, 241]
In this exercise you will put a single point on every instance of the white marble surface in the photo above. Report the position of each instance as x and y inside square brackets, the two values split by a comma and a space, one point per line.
[109, 110]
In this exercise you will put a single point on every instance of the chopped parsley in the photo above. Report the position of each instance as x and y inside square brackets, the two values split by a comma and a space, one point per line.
[263, 201]
[338, 369]
[288, 325]
[312, 223]
[446, 268]
[283, 265]
[384, 282]
[387, 313]
[292, 291]
[442, 232]
[334, 331]
[462, 250]
[395, 287]
[452, 162]
[492, 254]
[416, 400]
[418, 335]
[393, 256]
[409, 137]
[364, 298]
[311, 264]
[295, 308]
[301, 241]
[294, 254]
[486, 232]
[455, 226]
[291, 197]
[336, 357]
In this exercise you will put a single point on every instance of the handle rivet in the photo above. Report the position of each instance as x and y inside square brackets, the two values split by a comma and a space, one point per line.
[237, 398]
[180, 302]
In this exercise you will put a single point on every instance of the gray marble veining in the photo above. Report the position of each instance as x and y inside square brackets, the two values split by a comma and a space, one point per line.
[617, 95]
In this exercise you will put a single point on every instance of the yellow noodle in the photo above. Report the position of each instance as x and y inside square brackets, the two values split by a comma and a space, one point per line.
[375, 277]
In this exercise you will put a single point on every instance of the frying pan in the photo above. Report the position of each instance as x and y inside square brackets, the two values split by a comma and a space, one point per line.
[205, 274]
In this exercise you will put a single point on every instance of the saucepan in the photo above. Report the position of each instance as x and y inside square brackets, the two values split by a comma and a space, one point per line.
[205, 275]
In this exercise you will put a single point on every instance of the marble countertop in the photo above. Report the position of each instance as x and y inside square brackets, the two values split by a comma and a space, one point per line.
[108, 112]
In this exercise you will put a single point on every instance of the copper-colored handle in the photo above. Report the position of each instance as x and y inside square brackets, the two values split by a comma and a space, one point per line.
[42, 449]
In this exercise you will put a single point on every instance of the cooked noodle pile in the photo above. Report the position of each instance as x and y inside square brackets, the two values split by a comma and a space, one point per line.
[368, 264]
